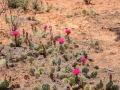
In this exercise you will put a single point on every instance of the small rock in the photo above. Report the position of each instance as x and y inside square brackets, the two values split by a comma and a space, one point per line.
[92, 83]
[26, 77]
[96, 67]
[90, 59]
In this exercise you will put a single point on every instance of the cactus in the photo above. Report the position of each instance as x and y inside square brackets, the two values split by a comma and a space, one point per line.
[79, 57]
[66, 46]
[63, 76]
[37, 75]
[54, 62]
[45, 87]
[59, 61]
[115, 87]
[82, 83]
[31, 60]
[85, 70]
[86, 87]
[77, 79]
[50, 51]
[99, 85]
[41, 70]
[5, 83]
[71, 81]
[93, 74]
[110, 83]
[65, 56]
[58, 68]
[54, 87]
[32, 71]
[52, 70]
[61, 48]
[68, 69]
[65, 80]
[49, 43]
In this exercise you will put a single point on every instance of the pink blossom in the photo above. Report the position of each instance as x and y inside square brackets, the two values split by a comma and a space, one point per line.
[110, 76]
[15, 33]
[50, 27]
[68, 31]
[51, 37]
[61, 40]
[83, 60]
[45, 27]
[76, 71]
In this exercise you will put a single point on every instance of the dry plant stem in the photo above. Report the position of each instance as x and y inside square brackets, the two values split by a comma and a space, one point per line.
[11, 20]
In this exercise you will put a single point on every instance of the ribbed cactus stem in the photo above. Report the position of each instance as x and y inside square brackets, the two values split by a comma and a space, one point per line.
[76, 79]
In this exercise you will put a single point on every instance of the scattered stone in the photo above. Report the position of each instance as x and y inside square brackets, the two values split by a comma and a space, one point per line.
[15, 86]
[91, 83]
[26, 77]
[96, 67]
[90, 59]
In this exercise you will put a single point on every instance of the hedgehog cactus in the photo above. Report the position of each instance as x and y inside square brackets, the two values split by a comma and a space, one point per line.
[65, 56]
[93, 74]
[37, 74]
[5, 83]
[45, 87]
[82, 83]
[59, 61]
[65, 80]
[71, 81]
[86, 87]
[115, 87]
[99, 85]
[58, 68]
[53, 62]
[54, 87]
[85, 70]
[110, 83]
[41, 70]
[32, 71]
[52, 70]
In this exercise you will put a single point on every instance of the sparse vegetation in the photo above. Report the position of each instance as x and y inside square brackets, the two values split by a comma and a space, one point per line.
[53, 59]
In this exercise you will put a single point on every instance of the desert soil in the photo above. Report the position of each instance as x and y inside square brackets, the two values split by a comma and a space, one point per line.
[103, 27]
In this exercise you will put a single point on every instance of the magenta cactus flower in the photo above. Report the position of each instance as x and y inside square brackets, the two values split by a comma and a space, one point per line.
[51, 37]
[61, 40]
[45, 27]
[76, 71]
[83, 60]
[15, 33]
[68, 31]
[110, 76]
[50, 27]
